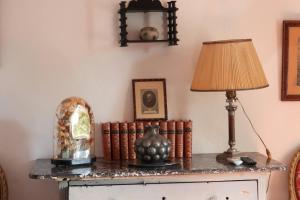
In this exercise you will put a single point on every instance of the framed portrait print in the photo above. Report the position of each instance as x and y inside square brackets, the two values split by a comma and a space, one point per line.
[290, 87]
[149, 99]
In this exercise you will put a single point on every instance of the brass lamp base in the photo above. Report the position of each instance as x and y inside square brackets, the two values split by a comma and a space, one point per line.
[229, 154]
[222, 158]
[231, 108]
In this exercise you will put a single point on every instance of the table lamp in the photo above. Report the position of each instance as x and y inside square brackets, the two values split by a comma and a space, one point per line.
[229, 66]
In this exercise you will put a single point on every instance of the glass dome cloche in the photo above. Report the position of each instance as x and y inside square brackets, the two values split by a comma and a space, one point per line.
[74, 133]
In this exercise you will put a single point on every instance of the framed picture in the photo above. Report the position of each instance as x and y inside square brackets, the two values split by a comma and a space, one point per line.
[290, 88]
[149, 99]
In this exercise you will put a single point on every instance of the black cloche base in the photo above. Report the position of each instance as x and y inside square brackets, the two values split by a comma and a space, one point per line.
[73, 162]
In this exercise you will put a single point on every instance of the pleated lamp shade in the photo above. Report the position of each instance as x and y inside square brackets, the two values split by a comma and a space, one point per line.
[228, 65]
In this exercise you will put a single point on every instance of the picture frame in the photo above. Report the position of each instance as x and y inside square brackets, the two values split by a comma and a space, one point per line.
[290, 86]
[149, 99]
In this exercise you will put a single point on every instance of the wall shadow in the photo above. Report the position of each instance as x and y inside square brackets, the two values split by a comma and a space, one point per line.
[15, 154]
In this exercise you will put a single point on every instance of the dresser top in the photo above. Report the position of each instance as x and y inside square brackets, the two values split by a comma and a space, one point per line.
[101, 169]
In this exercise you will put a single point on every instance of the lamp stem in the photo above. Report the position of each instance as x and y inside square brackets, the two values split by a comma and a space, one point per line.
[231, 108]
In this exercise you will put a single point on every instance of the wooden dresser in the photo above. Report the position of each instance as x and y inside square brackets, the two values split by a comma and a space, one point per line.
[199, 178]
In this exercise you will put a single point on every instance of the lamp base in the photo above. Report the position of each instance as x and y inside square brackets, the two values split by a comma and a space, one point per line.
[222, 158]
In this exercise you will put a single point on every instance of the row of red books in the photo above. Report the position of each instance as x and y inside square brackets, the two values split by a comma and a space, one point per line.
[119, 138]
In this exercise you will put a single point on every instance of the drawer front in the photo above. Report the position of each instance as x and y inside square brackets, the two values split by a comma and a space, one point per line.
[233, 190]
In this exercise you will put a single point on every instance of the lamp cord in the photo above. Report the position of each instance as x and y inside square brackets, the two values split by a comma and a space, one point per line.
[269, 180]
[255, 131]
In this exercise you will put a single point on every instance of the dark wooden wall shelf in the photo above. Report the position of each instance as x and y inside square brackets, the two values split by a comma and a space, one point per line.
[146, 41]
[147, 11]
[146, 6]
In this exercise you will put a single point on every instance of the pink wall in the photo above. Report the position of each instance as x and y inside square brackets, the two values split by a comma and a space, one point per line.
[52, 49]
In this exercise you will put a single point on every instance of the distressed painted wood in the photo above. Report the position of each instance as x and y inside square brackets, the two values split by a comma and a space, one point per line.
[201, 177]
[246, 190]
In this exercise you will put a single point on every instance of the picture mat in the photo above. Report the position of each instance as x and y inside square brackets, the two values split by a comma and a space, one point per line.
[139, 86]
[293, 87]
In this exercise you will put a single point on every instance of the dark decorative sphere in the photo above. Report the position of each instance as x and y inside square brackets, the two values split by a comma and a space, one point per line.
[152, 147]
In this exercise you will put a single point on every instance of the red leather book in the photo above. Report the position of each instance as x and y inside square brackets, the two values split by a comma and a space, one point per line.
[139, 130]
[147, 124]
[179, 139]
[124, 141]
[115, 140]
[171, 137]
[187, 163]
[131, 140]
[163, 129]
[106, 141]
[188, 139]
[155, 123]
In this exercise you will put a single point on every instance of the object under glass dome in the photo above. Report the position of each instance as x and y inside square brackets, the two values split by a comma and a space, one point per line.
[74, 133]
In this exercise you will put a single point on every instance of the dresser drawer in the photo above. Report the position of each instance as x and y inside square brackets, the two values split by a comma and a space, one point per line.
[229, 190]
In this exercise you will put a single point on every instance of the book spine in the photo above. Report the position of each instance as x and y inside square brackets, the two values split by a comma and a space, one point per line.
[188, 139]
[115, 141]
[106, 141]
[147, 124]
[131, 140]
[179, 139]
[155, 123]
[124, 140]
[163, 129]
[187, 164]
[139, 130]
[171, 137]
